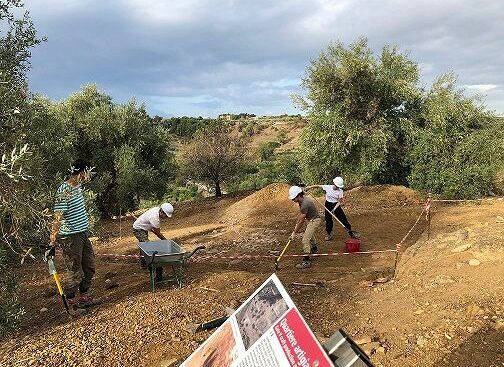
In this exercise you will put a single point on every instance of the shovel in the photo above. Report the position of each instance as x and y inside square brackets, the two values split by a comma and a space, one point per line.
[281, 254]
[355, 233]
[49, 259]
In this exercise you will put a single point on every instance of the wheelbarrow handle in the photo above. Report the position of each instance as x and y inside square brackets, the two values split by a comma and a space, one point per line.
[194, 251]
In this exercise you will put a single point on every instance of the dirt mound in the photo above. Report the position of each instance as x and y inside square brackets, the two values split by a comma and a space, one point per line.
[270, 201]
[381, 196]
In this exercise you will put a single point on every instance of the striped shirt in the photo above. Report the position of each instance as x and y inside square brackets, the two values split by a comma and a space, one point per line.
[70, 202]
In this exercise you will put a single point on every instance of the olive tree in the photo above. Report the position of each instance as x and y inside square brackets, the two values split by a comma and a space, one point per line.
[359, 106]
[215, 155]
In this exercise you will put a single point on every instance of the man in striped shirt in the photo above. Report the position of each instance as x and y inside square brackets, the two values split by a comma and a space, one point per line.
[70, 229]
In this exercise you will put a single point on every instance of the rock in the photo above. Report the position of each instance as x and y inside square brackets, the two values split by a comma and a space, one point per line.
[382, 280]
[499, 325]
[168, 362]
[474, 310]
[418, 312]
[43, 309]
[421, 341]
[474, 262]
[380, 350]
[366, 283]
[111, 285]
[369, 348]
[110, 274]
[443, 279]
[363, 340]
[462, 248]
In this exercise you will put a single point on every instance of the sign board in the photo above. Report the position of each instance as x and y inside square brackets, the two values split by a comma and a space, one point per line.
[267, 330]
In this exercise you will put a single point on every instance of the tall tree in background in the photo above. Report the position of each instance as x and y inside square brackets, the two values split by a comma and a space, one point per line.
[359, 106]
[214, 156]
[19, 185]
[457, 147]
[133, 158]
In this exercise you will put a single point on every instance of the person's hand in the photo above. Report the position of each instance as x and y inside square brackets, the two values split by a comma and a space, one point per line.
[291, 237]
[52, 239]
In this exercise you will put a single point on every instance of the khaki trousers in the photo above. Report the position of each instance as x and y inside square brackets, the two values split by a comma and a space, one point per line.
[79, 260]
[309, 234]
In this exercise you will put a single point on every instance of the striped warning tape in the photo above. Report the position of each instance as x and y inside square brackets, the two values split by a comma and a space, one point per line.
[466, 200]
[255, 257]
[425, 209]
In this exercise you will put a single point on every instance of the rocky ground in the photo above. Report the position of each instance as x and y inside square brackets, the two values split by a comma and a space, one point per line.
[445, 308]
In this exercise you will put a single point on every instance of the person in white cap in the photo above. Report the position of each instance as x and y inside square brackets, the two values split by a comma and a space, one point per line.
[308, 212]
[150, 221]
[333, 202]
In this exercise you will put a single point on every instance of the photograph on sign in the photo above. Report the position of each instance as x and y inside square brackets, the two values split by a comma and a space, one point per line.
[218, 351]
[260, 313]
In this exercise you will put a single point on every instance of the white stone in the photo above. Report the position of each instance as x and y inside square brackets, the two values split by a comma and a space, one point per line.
[474, 262]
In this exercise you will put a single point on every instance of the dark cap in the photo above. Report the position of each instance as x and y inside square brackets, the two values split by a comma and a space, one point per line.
[80, 165]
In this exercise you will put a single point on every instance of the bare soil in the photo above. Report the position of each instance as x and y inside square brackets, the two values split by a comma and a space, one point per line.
[445, 308]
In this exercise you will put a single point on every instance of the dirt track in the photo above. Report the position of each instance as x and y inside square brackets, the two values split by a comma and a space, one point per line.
[441, 311]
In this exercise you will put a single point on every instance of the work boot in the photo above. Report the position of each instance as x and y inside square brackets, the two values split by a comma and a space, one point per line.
[143, 263]
[329, 237]
[306, 263]
[84, 300]
[313, 249]
[73, 308]
[352, 234]
[303, 264]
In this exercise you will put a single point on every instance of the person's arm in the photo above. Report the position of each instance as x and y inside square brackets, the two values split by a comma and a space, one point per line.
[158, 233]
[299, 223]
[55, 227]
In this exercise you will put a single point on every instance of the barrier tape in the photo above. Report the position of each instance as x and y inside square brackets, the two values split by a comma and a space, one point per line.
[242, 257]
[466, 200]
[246, 256]
[426, 209]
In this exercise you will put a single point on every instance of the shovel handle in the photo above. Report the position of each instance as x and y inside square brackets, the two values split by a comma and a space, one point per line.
[281, 254]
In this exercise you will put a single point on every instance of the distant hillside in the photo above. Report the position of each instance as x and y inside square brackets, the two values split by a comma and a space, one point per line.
[282, 129]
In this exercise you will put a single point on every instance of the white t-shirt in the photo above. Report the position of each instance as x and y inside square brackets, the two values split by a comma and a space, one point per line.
[332, 195]
[148, 220]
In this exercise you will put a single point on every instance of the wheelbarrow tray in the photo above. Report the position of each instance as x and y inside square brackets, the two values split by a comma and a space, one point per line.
[164, 251]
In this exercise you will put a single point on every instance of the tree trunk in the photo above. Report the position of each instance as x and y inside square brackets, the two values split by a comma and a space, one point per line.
[218, 192]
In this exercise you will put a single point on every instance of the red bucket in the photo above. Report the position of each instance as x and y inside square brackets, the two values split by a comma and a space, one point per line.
[352, 245]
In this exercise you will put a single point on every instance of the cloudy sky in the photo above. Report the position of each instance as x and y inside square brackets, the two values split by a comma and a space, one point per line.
[199, 57]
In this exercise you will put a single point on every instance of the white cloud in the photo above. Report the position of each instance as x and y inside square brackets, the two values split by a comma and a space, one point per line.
[481, 88]
[203, 57]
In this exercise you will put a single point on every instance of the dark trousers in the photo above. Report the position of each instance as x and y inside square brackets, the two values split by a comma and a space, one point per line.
[339, 213]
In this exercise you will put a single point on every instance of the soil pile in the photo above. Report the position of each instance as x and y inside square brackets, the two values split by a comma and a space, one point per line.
[381, 196]
[271, 201]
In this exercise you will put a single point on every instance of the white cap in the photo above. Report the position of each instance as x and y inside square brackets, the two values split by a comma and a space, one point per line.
[338, 181]
[167, 208]
[294, 191]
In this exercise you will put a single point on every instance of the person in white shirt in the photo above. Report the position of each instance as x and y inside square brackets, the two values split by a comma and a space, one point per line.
[333, 202]
[150, 221]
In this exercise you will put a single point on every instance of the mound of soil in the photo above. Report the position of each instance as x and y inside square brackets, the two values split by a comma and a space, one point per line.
[270, 202]
[381, 196]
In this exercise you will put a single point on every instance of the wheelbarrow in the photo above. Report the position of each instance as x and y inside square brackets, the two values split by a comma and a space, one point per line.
[166, 252]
